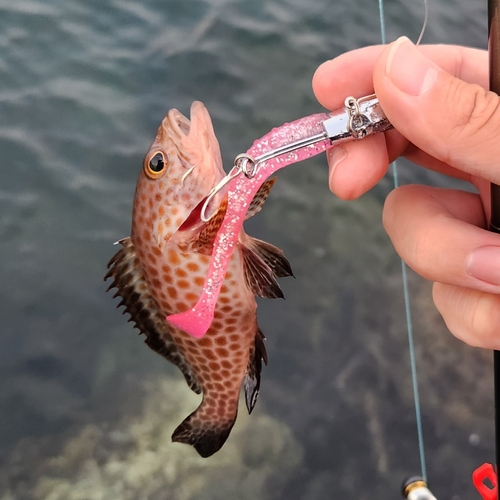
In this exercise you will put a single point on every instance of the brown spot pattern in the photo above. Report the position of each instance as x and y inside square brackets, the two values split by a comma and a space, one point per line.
[219, 360]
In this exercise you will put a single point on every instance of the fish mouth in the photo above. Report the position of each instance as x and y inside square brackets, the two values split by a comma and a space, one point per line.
[200, 150]
[198, 124]
[179, 122]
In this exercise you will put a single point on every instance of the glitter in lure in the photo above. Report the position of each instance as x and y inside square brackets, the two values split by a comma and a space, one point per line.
[290, 143]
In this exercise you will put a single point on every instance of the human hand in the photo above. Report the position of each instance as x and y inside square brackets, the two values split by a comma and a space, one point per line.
[444, 120]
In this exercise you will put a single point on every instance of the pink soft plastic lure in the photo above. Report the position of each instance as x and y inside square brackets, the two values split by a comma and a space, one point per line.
[242, 189]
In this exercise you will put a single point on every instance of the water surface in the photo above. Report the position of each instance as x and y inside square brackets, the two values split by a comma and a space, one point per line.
[86, 409]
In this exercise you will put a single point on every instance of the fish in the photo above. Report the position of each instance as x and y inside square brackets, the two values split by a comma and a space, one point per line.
[160, 270]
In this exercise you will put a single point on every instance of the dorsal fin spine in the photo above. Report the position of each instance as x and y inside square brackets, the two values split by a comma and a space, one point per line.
[131, 286]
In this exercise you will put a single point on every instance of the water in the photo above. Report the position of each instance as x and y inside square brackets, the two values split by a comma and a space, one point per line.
[86, 410]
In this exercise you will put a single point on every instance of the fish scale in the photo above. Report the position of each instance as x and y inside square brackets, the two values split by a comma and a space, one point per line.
[160, 270]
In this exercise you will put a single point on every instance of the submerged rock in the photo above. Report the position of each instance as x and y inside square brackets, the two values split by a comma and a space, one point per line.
[136, 459]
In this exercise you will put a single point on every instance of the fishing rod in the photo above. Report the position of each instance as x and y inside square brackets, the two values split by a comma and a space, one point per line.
[416, 488]
[494, 60]
[486, 477]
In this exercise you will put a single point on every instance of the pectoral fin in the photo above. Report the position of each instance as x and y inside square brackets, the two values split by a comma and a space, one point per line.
[204, 241]
[263, 263]
[273, 256]
[259, 277]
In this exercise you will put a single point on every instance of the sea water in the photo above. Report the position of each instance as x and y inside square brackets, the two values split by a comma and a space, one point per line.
[86, 409]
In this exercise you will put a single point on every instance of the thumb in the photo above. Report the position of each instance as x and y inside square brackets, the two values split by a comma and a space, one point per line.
[453, 121]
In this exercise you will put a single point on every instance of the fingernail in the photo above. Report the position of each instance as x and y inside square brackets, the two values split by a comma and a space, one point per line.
[484, 264]
[335, 156]
[408, 69]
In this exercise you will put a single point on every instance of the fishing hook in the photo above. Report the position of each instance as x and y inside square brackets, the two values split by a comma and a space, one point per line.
[183, 178]
[225, 180]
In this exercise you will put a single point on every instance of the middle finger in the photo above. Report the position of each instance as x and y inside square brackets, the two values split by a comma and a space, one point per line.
[439, 233]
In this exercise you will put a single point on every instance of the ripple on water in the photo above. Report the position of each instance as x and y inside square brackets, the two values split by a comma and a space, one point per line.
[84, 85]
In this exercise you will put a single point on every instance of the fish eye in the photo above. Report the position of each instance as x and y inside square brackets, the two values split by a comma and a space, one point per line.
[156, 165]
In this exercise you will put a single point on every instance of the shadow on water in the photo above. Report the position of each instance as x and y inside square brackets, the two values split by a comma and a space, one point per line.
[86, 410]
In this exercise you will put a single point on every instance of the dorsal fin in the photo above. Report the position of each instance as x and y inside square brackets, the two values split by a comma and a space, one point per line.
[251, 382]
[260, 198]
[132, 287]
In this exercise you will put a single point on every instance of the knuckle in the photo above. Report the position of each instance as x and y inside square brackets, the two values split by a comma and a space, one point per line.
[470, 315]
[421, 253]
[476, 114]
[392, 206]
[483, 319]
[415, 243]
[449, 301]
[388, 212]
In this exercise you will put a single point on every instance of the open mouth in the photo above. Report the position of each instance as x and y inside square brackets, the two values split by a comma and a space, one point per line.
[198, 134]
[197, 124]
[180, 122]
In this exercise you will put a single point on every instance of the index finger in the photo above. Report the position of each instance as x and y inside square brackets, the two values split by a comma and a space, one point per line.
[351, 73]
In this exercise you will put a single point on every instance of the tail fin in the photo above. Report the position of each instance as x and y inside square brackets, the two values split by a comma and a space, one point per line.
[207, 436]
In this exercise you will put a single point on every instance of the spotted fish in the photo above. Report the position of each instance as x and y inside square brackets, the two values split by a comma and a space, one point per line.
[160, 270]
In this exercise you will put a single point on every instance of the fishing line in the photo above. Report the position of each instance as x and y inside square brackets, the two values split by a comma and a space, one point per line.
[409, 324]
[424, 24]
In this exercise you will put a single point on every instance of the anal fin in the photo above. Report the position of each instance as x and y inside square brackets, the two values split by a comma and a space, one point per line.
[251, 382]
